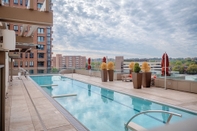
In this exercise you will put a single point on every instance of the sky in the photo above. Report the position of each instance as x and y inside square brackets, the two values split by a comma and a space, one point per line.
[129, 28]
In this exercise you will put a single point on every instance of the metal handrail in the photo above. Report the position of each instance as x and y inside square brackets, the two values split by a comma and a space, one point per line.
[153, 111]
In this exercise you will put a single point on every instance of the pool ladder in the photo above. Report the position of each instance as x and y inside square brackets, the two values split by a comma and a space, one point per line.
[136, 127]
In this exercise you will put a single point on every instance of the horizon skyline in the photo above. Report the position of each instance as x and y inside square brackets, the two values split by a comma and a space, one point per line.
[132, 58]
[130, 28]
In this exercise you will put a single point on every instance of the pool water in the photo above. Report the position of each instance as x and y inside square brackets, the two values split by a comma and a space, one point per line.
[100, 109]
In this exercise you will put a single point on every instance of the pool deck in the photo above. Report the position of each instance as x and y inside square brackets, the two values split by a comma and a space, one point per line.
[28, 109]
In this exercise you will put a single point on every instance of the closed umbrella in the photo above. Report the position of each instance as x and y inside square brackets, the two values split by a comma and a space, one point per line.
[165, 66]
[89, 61]
[104, 59]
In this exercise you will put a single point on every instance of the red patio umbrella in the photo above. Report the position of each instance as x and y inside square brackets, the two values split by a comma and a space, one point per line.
[89, 66]
[163, 62]
[104, 59]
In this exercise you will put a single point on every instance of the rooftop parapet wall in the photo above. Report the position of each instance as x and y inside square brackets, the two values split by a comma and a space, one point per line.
[180, 85]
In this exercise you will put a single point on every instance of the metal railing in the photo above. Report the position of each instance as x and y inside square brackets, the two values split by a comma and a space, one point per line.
[153, 111]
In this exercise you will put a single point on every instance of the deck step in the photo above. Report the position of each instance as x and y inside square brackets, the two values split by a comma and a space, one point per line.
[64, 95]
[135, 127]
[48, 85]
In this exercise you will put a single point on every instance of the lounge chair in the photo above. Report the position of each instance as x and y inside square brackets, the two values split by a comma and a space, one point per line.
[127, 77]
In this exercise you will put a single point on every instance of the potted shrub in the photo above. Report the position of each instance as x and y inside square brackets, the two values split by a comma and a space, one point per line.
[103, 72]
[146, 75]
[137, 76]
[110, 67]
[131, 67]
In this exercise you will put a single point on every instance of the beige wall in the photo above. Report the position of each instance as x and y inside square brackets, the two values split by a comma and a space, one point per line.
[58, 61]
[118, 61]
[181, 85]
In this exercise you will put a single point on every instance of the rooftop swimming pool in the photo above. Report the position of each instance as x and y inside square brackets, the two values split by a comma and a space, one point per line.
[100, 109]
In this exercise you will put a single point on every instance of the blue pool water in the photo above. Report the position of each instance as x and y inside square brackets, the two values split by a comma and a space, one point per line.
[100, 109]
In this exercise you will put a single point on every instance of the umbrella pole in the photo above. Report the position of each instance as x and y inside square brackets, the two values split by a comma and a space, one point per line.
[165, 72]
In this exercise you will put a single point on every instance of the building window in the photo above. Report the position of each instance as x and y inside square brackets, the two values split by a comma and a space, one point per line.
[48, 30]
[21, 2]
[39, 5]
[6, 1]
[15, 63]
[15, 27]
[21, 64]
[26, 2]
[49, 63]
[31, 71]
[49, 39]
[31, 55]
[40, 55]
[26, 55]
[40, 64]
[48, 42]
[40, 71]
[48, 47]
[49, 55]
[40, 39]
[40, 47]
[16, 2]
[21, 55]
[41, 30]
[26, 64]
[31, 64]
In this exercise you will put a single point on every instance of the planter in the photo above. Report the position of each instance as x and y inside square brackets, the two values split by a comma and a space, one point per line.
[104, 75]
[137, 80]
[111, 75]
[146, 79]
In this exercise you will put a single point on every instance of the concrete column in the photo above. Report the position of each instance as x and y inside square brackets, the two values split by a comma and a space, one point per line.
[11, 70]
[2, 90]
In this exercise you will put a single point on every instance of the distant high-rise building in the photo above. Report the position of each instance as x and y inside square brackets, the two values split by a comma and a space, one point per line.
[68, 61]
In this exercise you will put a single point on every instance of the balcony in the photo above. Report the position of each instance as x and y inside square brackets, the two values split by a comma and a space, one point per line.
[41, 59]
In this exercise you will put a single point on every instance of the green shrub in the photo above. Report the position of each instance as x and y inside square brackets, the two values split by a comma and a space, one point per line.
[137, 68]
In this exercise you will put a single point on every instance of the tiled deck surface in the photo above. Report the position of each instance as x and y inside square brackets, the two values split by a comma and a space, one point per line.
[21, 114]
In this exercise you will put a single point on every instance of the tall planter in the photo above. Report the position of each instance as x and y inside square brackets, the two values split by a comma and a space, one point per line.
[104, 75]
[111, 75]
[137, 80]
[146, 79]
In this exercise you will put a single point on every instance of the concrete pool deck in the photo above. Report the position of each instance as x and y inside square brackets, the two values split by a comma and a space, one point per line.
[21, 114]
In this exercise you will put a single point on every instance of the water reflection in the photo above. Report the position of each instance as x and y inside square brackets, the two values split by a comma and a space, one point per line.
[89, 90]
[140, 104]
[165, 115]
[43, 80]
[107, 95]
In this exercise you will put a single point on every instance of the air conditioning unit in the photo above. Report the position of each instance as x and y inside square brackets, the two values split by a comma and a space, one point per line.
[7, 40]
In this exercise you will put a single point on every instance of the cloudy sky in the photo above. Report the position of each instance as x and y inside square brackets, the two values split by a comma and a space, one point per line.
[129, 28]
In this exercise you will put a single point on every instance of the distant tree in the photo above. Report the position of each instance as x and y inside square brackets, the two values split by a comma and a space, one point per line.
[192, 69]
[182, 70]
[54, 70]
[178, 63]
[176, 68]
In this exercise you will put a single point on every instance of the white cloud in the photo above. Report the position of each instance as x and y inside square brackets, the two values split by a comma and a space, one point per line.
[130, 28]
